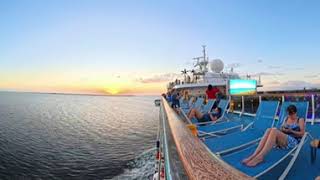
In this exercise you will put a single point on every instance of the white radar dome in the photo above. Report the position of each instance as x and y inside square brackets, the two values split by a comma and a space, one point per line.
[216, 65]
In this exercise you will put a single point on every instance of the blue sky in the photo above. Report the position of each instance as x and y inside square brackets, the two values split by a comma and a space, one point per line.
[70, 44]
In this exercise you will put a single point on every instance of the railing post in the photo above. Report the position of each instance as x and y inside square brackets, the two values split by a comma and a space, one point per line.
[260, 99]
[242, 103]
[229, 104]
[313, 109]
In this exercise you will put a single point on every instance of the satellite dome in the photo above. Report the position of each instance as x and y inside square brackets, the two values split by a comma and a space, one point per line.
[216, 65]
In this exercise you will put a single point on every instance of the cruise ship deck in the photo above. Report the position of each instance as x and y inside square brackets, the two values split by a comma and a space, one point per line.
[303, 167]
[198, 162]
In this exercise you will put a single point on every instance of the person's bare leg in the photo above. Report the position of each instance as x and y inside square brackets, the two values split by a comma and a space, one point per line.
[177, 110]
[198, 114]
[274, 135]
[195, 113]
[191, 113]
[260, 146]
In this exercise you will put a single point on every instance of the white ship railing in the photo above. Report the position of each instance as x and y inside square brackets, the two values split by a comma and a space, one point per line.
[242, 111]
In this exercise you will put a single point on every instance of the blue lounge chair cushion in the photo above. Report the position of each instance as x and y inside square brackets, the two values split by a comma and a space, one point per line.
[206, 108]
[302, 108]
[184, 105]
[270, 159]
[198, 103]
[219, 126]
[228, 141]
[223, 104]
[263, 120]
[194, 120]
[185, 110]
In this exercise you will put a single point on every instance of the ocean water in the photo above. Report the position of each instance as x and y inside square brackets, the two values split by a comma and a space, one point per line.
[53, 136]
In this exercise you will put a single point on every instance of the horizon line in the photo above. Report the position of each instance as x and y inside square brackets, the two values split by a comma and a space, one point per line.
[81, 94]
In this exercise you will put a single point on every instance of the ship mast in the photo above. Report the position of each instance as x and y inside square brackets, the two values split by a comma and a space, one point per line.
[202, 62]
[204, 51]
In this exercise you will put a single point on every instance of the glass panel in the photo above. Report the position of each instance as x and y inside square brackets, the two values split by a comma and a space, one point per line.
[273, 98]
[251, 104]
[237, 103]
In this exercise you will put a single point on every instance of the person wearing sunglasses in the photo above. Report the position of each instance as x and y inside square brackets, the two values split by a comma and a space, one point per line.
[288, 136]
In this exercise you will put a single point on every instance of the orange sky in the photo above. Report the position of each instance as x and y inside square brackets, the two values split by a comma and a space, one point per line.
[82, 82]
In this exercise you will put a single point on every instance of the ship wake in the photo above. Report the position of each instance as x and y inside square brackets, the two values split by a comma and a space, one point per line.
[141, 167]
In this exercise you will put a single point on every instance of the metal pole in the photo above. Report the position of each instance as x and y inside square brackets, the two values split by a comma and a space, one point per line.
[242, 108]
[166, 149]
[229, 104]
[313, 109]
[259, 99]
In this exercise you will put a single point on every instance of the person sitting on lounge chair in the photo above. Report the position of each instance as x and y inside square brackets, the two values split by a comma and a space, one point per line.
[185, 97]
[209, 116]
[288, 137]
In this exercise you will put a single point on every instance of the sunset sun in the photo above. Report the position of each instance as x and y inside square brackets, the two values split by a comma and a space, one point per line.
[113, 90]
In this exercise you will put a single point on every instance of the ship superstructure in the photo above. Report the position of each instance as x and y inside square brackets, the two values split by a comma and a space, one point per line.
[206, 72]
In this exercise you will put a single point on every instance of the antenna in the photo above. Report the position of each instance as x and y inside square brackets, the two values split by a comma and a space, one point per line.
[259, 78]
[204, 52]
[197, 62]
[202, 61]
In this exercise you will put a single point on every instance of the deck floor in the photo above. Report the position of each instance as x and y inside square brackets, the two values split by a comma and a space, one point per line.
[302, 168]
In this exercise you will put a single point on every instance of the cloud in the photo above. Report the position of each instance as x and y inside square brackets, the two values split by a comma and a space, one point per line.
[274, 67]
[294, 68]
[260, 61]
[233, 65]
[298, 84]
[267, 74]
[291, 85]
[311, 76]
[274, 82]
[262, 74]
[298, 68]
[159, 78]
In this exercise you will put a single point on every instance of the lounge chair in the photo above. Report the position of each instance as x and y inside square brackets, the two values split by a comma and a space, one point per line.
[247, 136]
[184, 104]
[273, 158]
[207, 107]
[223, 104]
[283, 111]
[197, 105]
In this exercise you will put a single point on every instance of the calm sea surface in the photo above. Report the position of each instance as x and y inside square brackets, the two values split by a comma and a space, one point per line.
[51, 136]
